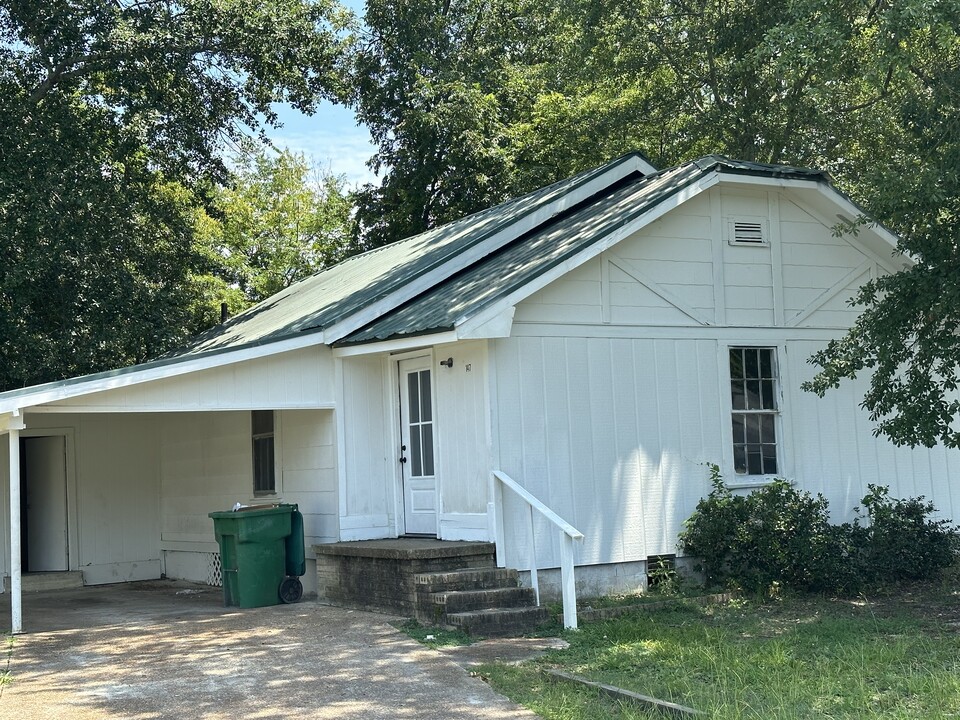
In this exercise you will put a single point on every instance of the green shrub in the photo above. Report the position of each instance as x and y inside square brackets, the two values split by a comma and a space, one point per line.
[903, 542]
[778, 535]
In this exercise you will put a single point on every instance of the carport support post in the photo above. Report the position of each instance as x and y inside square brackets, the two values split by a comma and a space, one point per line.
[16, 608]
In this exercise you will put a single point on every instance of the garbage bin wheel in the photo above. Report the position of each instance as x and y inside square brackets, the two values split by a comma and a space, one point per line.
[291, 590]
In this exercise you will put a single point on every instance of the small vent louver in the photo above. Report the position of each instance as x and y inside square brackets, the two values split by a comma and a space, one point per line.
[748, 232]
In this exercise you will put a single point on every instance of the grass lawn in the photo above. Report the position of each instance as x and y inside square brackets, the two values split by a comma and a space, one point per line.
[892, 657]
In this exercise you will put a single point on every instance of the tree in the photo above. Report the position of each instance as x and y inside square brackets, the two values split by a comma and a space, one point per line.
[277, 222]
[865, 90]
[439, 83]
[113, 118]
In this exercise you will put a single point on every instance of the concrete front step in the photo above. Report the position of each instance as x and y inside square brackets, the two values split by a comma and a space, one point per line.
[474, 578]
[498, 622]
[462, 600]
[40, 581]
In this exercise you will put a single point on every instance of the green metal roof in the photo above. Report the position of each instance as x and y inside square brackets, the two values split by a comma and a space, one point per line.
[334, 294]
[537, 252]
[338, 293]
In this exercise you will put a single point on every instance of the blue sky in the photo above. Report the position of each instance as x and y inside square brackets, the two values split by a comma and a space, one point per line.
[331, 139]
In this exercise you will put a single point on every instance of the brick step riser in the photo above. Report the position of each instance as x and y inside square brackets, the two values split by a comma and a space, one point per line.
[494, 624]
[483, 599]
[466, 579]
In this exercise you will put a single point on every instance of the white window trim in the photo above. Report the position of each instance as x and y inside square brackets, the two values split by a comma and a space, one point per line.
[735, 480]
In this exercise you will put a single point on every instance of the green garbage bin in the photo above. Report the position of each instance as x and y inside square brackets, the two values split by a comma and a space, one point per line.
[258, 554]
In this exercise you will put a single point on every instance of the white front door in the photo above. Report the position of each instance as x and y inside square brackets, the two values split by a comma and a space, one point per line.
[417, 447]
[44, 499]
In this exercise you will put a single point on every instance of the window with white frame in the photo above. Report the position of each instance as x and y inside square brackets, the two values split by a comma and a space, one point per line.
[264, 469]
[754, 405]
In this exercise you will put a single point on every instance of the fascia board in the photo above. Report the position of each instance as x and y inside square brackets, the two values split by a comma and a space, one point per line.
[12, 420]
[848, 207]
[768, 181]
[500, 306]
[478, 328]
[414, 342]
[463, 260]
[837, 199]
[45, 394]
[643, 166]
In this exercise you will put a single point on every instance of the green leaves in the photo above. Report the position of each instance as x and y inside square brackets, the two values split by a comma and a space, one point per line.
[279, 221]
[113, 119]
[777, 535]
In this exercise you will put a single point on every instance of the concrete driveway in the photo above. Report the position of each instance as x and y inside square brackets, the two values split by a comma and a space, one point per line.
[169, 650]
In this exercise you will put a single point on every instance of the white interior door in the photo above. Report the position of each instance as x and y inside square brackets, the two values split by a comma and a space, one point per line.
[417, 447]
[44, 499]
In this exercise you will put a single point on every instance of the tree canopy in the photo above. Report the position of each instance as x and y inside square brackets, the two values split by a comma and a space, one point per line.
[473, 101]
[121, 223]
[279, 220]
[113, 121]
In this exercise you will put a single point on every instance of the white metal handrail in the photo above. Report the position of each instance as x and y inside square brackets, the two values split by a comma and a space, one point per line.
[568, 533]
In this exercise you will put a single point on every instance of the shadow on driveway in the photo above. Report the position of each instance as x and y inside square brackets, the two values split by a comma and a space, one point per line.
[170, 650]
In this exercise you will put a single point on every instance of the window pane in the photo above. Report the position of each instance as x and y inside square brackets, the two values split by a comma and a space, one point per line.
[738, 395]
[769, 400]
[263, 475]
[427, 448]
[738, 436]
[768, 433]
[753, 395]
[416, 454]
[262, 422]
[766, 363]
[413, 397]
[769, 459]
[736, 364]
[754, 462]
[740, 459]
[753, 428]
[751, 365]
[425, 408]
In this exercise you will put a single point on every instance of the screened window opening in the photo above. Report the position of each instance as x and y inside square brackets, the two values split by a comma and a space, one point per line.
[264, 472]
[753, 392]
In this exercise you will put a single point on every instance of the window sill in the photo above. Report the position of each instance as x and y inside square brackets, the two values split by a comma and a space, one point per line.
[758, 481]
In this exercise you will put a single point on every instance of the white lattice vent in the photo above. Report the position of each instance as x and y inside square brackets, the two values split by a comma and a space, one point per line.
[214, 571]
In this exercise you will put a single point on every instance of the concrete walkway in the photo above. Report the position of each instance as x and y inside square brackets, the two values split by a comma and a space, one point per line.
[168, 650]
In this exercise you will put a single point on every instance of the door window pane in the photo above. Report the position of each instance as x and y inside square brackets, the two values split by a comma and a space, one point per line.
[416, 452]
[427, 449]
[420, 424]
[413, 396]
[426, 412]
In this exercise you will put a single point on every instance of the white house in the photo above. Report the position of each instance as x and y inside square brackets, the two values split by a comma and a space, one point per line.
[599, 341]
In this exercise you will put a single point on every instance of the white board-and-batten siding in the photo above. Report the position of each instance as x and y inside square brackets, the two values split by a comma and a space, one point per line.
[612, 393]
[371, 486]
[367, 481]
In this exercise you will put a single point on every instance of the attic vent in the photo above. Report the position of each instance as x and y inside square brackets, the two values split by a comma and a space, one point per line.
[747, 231]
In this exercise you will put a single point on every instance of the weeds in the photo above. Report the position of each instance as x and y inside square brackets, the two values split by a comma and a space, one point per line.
[5, 676]
[434, 637]
[796, 657]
